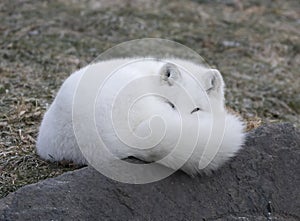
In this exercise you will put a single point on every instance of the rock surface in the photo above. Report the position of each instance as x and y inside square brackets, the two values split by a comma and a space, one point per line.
[261, 183]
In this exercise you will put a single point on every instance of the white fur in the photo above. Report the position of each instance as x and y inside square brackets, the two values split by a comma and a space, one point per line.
[56, 139]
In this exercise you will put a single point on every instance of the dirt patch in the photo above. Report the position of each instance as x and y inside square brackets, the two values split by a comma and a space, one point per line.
[254, 44]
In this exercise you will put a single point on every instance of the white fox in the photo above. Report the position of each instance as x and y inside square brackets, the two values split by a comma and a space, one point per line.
[56, 140]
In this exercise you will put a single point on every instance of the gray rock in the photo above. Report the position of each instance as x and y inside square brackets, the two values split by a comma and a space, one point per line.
[261, 183]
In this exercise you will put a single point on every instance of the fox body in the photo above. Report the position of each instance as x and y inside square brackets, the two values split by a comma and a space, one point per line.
[170, 83]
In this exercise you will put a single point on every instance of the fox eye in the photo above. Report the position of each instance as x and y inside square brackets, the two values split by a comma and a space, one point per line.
[195, 110]
[171, 104]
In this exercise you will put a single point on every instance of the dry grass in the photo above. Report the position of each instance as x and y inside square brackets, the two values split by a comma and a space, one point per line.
[18, 160]
[254, 43]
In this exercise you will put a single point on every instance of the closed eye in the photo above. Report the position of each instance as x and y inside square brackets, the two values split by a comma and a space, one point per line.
[171, 104]
[195, 110]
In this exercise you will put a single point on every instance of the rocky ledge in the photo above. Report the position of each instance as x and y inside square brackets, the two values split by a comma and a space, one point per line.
[261, 183]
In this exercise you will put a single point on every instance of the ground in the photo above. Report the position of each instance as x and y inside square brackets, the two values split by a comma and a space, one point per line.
[255, 44]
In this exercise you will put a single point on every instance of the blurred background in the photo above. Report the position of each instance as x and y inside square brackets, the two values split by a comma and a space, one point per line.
[255, 44]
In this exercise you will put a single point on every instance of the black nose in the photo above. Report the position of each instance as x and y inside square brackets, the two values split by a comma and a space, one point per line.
[195, 110]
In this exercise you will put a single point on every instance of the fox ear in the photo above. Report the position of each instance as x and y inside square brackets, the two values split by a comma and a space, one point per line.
[169, 74]
[213, 82]
[214, 86]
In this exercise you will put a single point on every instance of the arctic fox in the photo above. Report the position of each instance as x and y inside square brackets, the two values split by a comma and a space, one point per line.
[57, 141]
